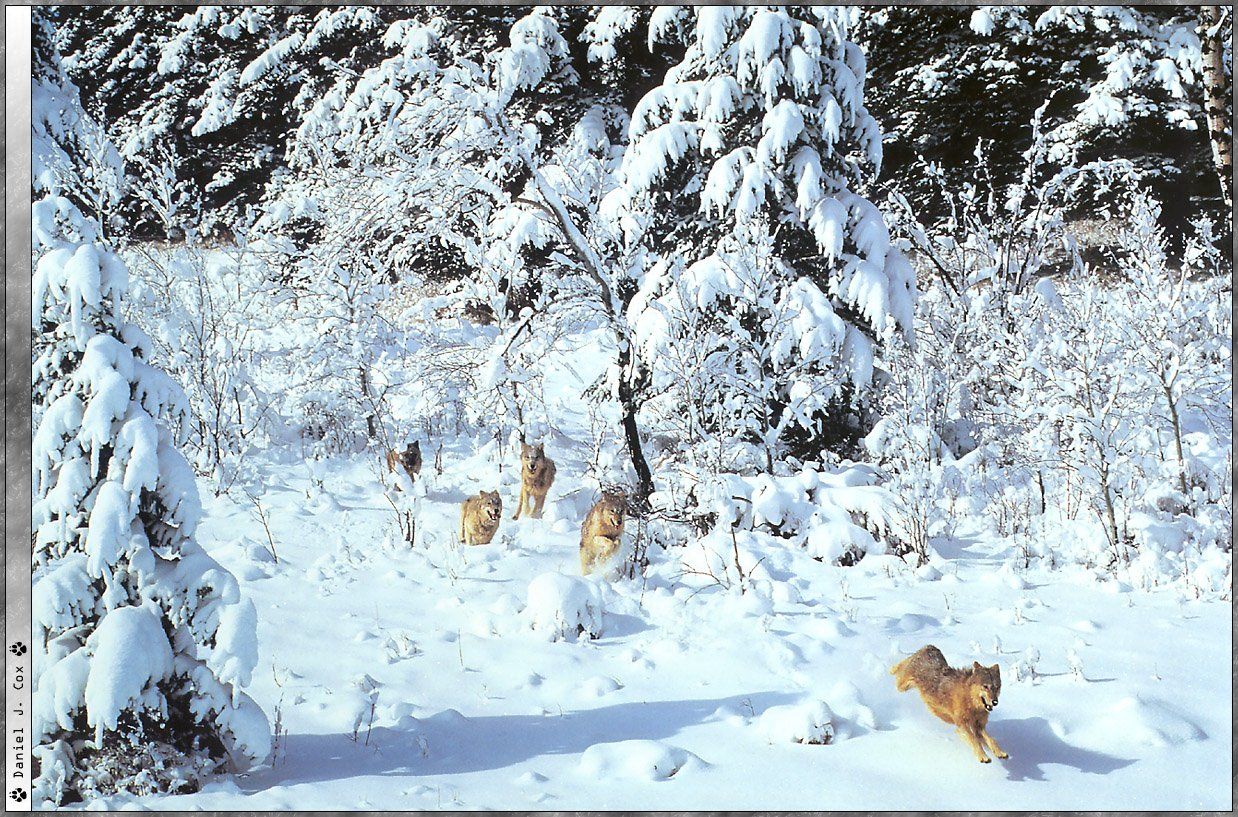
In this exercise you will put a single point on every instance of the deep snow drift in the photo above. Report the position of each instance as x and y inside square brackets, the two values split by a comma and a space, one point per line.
[435, 676]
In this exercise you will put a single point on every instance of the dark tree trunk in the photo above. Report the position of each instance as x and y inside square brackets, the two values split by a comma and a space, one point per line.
[371, 429]
[595, 269]
[1177, 426]
[631, 431]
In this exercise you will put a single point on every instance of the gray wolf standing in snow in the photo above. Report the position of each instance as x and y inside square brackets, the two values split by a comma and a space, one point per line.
[409, 459]
[537, 473]
[601, 532]
[479, 518]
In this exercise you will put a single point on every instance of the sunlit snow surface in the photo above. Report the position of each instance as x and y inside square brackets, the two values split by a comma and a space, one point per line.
[690, 698]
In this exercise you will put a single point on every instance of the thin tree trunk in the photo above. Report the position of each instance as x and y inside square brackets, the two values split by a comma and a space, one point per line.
[1215, 94]
[519, 414]
[596, 269]
[1111, 522]
[240, 413]
[1173, 418]
[631, 430]
[364, 379]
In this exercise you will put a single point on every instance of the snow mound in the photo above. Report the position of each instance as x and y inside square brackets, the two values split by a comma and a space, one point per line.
[637, 760]
[1137, 720]
[599, 685]
[531, 778]
[256, 551]
[562, 608]
[829, 630]
[851, 714]
[808, 721]
[913, 623]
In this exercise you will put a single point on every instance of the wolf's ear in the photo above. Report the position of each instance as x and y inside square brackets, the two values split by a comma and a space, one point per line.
[995, 668]
[976, 665]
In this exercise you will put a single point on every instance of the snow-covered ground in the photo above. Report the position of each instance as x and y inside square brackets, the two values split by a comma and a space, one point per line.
[412, 678]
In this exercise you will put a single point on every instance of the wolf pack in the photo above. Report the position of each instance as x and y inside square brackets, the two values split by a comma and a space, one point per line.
[960, 697]
[601, 533]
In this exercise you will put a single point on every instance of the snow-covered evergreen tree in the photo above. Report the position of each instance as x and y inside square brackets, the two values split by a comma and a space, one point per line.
[72, 152]
[938, 87]
[1158, 77]
[763, 122]
[142, 641]
[1120, 82]
[1148, 61]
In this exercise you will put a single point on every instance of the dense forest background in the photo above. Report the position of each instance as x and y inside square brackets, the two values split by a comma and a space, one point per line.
[219, 94]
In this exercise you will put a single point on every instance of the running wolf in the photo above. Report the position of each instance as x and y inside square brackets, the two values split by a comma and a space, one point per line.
[962, 697]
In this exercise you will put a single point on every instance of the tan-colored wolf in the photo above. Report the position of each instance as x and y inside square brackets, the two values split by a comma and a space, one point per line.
[962, 697]
[601, 532]
[479, 518]
[409, 459]
[537, 473]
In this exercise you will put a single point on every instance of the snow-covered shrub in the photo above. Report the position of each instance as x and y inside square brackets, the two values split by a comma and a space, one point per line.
[1057, 403]
[1124, 376]
[724, 557]
[1087, 401]
[836, 515]
[323, 422]
[154, 181]
[803, 722]
[212, 317]
[564, 608]
[434, 306]
[1175, 335]
[949, 389]
[142, 642]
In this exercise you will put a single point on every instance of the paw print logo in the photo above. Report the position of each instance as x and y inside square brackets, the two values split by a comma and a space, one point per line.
[18, 649]
[17, 795]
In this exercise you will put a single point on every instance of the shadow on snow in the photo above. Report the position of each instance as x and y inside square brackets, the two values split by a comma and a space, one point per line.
[455, 744]
[1033, 744]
